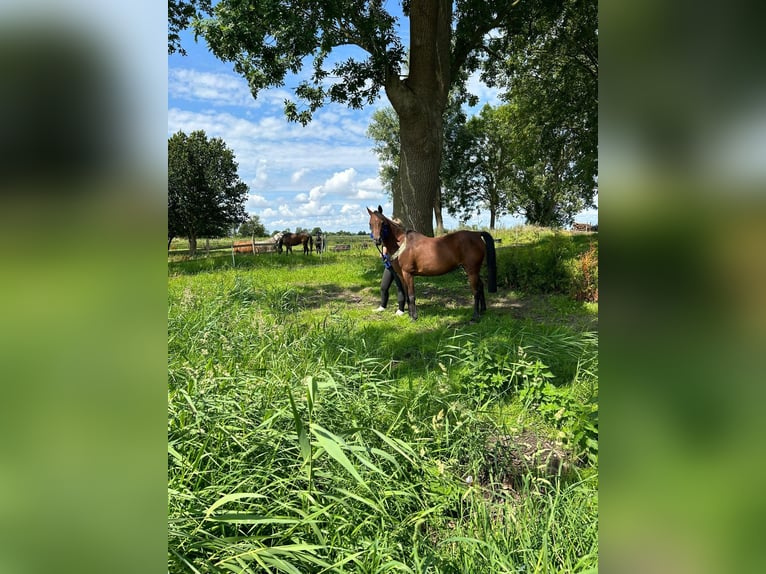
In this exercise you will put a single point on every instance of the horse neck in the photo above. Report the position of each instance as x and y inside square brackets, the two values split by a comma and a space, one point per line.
[394, 239]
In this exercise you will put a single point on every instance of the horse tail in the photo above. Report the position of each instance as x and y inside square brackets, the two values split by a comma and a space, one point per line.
[311, 243]
[491, 262]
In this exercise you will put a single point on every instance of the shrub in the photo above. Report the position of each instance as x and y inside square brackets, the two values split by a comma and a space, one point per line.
[584, 272]
[558, 263]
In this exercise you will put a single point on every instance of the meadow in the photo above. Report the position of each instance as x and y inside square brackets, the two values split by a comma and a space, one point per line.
[308, 434]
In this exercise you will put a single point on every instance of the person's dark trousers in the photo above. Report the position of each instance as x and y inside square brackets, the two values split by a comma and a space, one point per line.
[385, 284]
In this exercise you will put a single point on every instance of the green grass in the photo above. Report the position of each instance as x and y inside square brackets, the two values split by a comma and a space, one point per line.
[308, 434]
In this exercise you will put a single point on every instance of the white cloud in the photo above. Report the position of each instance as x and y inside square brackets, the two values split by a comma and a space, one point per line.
[217, 88]
[371, 183]
[286, 148]
[349, 208]
[363, 194]
[341, 182]
[297, 176]
[316, 193]
[255, 201]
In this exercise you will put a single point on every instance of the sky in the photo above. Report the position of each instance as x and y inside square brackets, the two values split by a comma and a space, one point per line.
[321, 175]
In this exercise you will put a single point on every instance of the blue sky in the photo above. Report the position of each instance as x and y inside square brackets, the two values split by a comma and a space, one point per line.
[321, 175]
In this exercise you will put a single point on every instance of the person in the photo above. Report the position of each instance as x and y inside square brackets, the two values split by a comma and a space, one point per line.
[390, 276]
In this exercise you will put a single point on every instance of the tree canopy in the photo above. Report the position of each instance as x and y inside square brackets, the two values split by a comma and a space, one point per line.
[206, 198]
[478, 166]
[550, 72]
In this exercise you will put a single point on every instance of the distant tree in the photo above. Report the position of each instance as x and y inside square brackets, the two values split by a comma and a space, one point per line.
[478, 167]
[252, 228]
[384, 132]
[316, 230]
[206, 198]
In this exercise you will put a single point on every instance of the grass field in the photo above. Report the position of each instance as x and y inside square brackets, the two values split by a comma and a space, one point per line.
[308, 434]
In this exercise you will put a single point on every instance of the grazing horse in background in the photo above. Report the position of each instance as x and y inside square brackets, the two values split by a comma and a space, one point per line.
[290, 239]
[413, 253]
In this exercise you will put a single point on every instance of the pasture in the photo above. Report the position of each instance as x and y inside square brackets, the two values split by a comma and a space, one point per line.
[308, 434]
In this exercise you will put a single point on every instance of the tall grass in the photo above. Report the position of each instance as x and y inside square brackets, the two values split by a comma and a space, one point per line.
[306, 434]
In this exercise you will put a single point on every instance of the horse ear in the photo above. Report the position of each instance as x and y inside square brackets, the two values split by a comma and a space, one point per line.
[380, 209]
[368, 211]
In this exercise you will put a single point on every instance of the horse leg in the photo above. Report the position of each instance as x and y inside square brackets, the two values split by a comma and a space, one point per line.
[409, 287]
[479, 303]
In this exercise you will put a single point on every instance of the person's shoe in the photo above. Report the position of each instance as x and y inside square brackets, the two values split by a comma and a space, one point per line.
[379, 309]
[399, 313]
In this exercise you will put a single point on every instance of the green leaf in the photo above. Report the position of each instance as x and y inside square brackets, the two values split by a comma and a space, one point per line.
[300, 429]
[229, 498]
[334, 446]
[398, 445]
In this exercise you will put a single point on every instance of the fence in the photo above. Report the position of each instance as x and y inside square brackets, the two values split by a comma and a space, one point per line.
[334, 243]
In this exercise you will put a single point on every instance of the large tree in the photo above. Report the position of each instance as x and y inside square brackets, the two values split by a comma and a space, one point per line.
[205, 195]
[267, 39]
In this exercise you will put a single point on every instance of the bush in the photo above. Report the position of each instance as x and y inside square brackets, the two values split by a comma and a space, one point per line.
[558, 263]
[584, 271]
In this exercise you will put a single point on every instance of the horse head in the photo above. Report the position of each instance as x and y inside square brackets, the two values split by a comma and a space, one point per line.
[379, 225]
[383, 228]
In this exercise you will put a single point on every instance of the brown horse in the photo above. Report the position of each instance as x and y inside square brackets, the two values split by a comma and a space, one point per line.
[415, 254]
[290, 239]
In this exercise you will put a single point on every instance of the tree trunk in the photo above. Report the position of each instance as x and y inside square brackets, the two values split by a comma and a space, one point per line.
[420, 100]
[492, 218]
[419, 172]
[192, 245]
